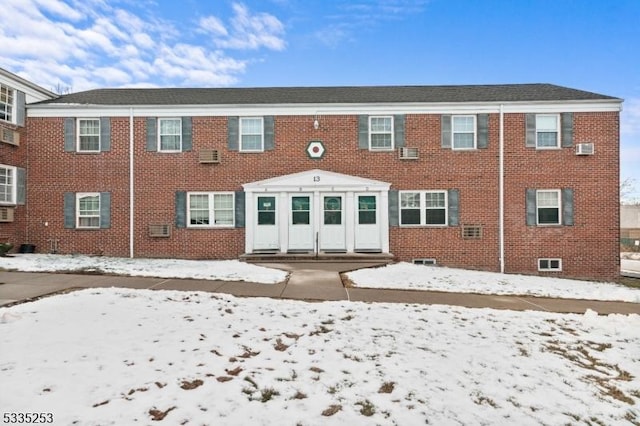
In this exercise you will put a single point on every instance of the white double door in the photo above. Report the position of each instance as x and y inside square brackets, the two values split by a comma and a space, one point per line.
[333, 222]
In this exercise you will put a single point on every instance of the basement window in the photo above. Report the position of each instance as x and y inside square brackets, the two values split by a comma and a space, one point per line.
[550, 265]
[424, 261]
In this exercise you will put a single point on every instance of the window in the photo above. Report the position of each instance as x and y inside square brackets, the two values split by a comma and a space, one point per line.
[88, 210]
[547, 126]
[251, 134]
[7, 184]
[548, 207]
[170, 134]
[6, 103]
[423, 208]
[549, 264]
[88, 135]
[463, 128]
[380, 133]
[209, 209]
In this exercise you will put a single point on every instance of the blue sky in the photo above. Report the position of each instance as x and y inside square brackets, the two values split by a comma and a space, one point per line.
[82, 44]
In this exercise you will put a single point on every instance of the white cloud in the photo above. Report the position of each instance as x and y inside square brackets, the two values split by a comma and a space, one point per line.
[213, 25]
[92, 43]
[253, 31]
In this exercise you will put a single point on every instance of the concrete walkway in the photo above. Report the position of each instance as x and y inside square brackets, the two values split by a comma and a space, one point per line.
[307, 281]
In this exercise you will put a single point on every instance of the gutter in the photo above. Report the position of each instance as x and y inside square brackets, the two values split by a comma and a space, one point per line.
[501, 196]
[131, 184]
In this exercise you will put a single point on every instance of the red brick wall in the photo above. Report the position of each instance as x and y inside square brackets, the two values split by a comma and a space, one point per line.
[589, 248]
[15, 232]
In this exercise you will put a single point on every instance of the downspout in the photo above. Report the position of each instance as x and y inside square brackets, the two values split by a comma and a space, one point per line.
[501, 184]
[131, 185]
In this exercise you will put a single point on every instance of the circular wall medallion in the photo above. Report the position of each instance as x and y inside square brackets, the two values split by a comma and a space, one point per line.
[315, 149]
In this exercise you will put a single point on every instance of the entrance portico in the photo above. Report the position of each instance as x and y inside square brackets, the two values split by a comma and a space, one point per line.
[317, 211]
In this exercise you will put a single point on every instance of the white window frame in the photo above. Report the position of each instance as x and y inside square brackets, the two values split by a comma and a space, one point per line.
[212, 209]
[79, 196]
[241, 134]
[549, 267]
[423, 208]
[372, 132]
[78, 138]
[558, 132]
[160, 134]
[559, 207]
[13, 185]
[9, 108]
[474, 132]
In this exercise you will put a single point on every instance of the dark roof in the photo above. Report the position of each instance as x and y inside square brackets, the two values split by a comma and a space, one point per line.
[329, 95]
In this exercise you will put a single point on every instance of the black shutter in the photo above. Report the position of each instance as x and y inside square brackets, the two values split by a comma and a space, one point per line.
[21, 187]
[181, 209]
[105, 210]
[187, 138]
[567, 206]
[105, 134]
[233, 134]
[454, 207]
[20, 108]
[269, 137]
[363, 132]
[398, 130]
[531, 207]
[69, 210]
[152, 134]
[483, 130]
[446, 131]
[530, 126]
[394, 217]
[240, 209]
[566, 119]
[69, 134]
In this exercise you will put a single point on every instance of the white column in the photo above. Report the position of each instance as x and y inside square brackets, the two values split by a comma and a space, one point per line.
[350, 221]
[383, 208]
[283, 222]
[249, 221]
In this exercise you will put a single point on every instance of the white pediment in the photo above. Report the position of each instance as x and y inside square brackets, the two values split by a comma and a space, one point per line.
[314, 180]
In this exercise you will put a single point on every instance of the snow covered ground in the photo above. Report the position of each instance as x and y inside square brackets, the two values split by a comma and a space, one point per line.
[225, 270]
[419, 277]
[121, 357]
[397, 276]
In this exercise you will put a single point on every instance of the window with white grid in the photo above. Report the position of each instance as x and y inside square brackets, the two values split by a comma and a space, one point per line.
[211, 209]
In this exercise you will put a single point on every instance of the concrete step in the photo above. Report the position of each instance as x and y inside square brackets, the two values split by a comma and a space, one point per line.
[317, 257]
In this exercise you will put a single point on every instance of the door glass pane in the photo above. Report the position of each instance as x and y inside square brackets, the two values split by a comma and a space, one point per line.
[332, 210]
[266, 210]
[366, 210]
[300, 210]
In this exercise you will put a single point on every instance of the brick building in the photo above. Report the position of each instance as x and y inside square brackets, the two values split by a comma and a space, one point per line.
[15, 93]
[518, 178]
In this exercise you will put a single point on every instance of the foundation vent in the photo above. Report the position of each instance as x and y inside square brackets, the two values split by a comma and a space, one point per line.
[424, 261]
[471, 232]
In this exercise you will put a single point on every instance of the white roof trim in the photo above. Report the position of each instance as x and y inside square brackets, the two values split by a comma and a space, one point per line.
[75, 110]
[316, 180]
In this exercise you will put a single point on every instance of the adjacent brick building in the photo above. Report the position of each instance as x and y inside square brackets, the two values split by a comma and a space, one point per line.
[518, 178]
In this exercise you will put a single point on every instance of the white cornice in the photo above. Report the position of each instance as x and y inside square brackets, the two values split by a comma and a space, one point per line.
[74, 110]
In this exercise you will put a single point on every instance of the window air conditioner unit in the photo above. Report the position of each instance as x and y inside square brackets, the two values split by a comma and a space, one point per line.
[6, 214]
[408, 153]
[9, 136]
[160, 230]
[585, 149]
[209, 156]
